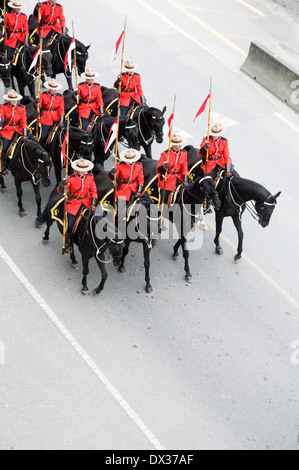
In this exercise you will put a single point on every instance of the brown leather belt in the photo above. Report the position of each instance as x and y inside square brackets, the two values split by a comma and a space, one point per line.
[89, 102]
[50, 109]
[15, 124]
[128, 181]
[129, 91]
[15, 32]
[49, 24]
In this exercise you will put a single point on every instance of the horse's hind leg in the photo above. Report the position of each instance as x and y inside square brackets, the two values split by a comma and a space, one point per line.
[146, 254]
[73, 257]
[102, 267]
[121, 267]
[22, 212]
[47, 232]
[85, 262]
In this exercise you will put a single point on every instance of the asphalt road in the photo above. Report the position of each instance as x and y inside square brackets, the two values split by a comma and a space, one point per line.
[207, 365]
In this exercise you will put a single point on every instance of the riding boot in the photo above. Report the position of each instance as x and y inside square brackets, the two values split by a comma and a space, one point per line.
[3, 170]
[68, 248]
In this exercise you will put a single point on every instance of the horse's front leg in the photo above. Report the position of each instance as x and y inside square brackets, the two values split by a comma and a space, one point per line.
[238, 225]
[22, 212]
[186, 254]
[70, 83]
[219, 222]
[176, 248]
[2, 185]
[32, 89]
[121, 267]
[102, 266]
[147, 263]
[148, 151]
[47, 232]
[38, 199]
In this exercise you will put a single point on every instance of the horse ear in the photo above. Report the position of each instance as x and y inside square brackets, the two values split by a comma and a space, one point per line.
[164, 110]
[87, 47]
[273, 198]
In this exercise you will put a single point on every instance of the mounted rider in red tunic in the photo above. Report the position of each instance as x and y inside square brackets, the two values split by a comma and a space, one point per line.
[52, 19]
[218, 155]
[89, 95]
[82, 192]
[51, 109]
[13, 122]
[17, 31]
[172, 168]
[131, 88]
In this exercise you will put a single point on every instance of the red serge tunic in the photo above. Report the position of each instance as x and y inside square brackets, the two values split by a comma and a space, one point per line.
[91, 99]
[178, 168]
[130, 88]
[17, 28]
[15, 120]
[81, 191]
[131, 176]
[52, 107]
[52, 17]
[218, 153]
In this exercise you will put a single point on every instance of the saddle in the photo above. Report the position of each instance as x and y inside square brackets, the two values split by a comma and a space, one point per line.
[51, 135]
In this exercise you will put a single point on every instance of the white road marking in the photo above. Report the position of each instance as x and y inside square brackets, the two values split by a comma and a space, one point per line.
[76, 346]
[217, 117]
[252, 8]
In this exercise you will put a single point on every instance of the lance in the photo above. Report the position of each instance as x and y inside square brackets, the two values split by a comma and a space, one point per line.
[209, 126]
[39, 72]
[65, 189]
[168, 155]
[4, 27]
[76, 76]
[118, 117]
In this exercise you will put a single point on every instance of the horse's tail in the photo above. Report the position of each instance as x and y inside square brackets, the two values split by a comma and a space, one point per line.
[43, 218]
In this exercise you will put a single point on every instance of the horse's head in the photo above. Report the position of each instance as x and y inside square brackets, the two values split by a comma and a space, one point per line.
[207, 190]
[82, 56]
[156, 121]
[265, 209]
[47, 59]
[81, 142]
[131, 134]
[5, 69]
[41, 160]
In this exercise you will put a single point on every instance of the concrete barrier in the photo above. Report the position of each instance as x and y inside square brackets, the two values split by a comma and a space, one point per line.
[273, 74]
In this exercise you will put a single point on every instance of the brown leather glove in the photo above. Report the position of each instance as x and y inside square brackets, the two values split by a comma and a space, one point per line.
[206, 145]
[93, 206]
[185, 181]
[65, 182]
[112, 173]
[166, 166]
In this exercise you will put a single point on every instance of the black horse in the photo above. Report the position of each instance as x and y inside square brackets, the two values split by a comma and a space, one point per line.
[29, 163]
[26, 77]
[87, 239]
[5, 70]
[150, 121]
[141, 226]
[234, 194]
[81, 143]
[127, 130]
[187, 208]
[59, 48]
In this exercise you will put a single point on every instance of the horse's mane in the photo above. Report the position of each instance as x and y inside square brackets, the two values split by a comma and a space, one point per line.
[244, 181]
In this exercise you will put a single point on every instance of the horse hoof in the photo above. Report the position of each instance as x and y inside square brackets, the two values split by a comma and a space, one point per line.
[23, 214]
[189, 279]
[96, 292]
[122, 270]
[75, 266]
[149, 289]
[175, 256]
[3, 190]
[85, 291]
[237, 259]
[203, 226]
[38, 224]
[219, 251]
[45, 241]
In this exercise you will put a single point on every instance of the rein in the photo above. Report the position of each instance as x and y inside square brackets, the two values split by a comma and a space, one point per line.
[35, 175]
[101, 249]
[151, 139]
